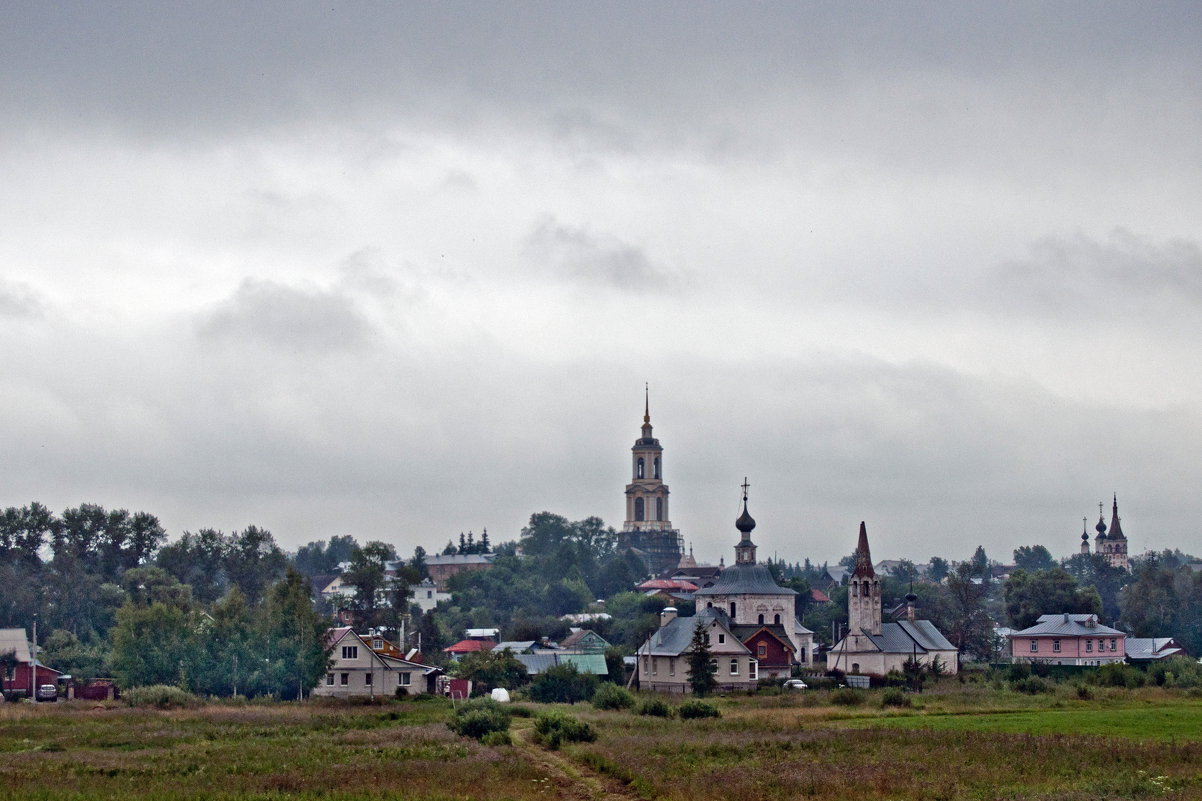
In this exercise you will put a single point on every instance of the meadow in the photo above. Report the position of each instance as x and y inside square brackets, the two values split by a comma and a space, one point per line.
[951, 742]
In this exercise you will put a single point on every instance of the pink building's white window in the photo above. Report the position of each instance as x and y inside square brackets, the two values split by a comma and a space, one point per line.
[1034, 646]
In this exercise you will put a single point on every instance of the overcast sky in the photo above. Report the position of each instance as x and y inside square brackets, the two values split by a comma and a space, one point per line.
[400, 271]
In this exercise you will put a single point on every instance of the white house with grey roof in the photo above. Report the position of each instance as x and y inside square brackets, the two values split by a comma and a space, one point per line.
[874, 648]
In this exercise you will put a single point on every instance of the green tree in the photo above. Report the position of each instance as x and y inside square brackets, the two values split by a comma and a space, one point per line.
[966, 620]
[938, 570]
[1094, 570]
[151, 644]
[703, 677]
[368, 578]
[1033, 557]
[254, 562]
[296, 654]
[562, 684]
[1045, 592]
[490, 669]
[199, 561]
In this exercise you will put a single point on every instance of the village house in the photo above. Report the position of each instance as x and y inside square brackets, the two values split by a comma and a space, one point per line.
[359, 671]
[23, 679]
[662, 661]
[1068, 639]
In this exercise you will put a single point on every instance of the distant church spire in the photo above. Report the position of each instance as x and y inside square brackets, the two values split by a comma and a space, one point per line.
[863, 592]
[1116, 530]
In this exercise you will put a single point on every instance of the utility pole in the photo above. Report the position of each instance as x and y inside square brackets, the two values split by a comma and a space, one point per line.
[33, 662]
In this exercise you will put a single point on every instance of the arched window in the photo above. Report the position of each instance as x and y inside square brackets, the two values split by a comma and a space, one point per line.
[656, 467]
[659, 508]
[638, 473]
[776, 620]
[638, 509]
[761, 620]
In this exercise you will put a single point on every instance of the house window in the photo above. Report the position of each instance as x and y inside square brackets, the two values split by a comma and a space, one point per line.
[1056, 646]
[377, 644]
[1113, 644]
[734, 667]
[671, 666]
[753, 670]
[329, 679]
[1089, 646]
[404, 679]
[762, 650]
[1101, 645]
[367, 680]
[721, 639]
[350, 652]
[1034, 646]
[654, 665]
[429, 593]
[344, 679]
[714, 666]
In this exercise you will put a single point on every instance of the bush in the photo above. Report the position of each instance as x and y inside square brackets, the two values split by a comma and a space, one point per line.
[1116, 674]
[562, 684]
[698, 709]
[553, 728]
[894, 697]
[497, 738]
[1032, 685]
[480, 718]
[611, 696]
[656, 707]
[846, 696]
[160, 696]
[1084, 692]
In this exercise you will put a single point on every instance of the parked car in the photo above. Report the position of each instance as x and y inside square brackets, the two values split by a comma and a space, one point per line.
[47, 692]
[794, 684]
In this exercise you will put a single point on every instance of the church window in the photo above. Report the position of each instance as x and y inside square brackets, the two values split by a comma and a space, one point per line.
[734, 667]
[776, 620]
[732, 610]
[655, 466]
[641, 468]
[761, 620]
[638, 509]
[659, 508]
[855, 589]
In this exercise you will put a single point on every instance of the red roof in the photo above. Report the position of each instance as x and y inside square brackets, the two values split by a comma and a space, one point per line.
[820, 596]
[669, 584]
[468, 646]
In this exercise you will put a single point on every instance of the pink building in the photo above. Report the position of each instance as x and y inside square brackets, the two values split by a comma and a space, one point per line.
[1067, 639]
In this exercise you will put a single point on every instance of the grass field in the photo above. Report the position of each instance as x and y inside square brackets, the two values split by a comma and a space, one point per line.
[951, 743]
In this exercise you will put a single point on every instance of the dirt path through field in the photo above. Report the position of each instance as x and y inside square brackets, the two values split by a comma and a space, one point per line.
[569, 779]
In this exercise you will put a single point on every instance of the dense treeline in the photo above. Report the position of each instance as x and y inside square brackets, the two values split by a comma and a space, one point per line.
[210, 612]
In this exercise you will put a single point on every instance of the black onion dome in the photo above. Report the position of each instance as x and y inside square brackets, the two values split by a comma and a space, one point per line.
[746, 522]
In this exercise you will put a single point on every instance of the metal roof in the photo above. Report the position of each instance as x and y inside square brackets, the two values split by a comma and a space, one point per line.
[910, 637]
[14, 640]
[746, 580]
[676, 636]
[1068, 625]
[585, 663]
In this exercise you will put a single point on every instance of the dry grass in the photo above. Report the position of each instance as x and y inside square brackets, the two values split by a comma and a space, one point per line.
[956, 743]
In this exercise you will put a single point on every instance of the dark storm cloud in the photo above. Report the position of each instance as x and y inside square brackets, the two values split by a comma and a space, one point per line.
[192, 67]
[313, 321]
[581, 255]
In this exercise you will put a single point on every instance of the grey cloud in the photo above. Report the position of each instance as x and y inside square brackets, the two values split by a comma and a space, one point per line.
[293, 320]
[19, 302]
[1125, 271]
[581, 255]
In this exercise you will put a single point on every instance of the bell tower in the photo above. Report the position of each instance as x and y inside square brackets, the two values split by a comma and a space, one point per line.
[648, 527]
[863, 592]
